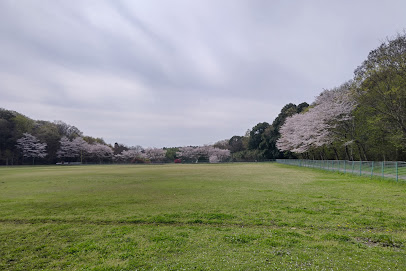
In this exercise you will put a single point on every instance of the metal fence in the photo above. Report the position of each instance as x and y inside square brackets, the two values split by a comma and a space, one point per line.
[395, 170]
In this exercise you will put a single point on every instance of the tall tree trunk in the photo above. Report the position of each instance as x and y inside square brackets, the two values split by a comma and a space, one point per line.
[336, 153]
[321, 155]
[363, 150]
[347, 154]
[359, 151]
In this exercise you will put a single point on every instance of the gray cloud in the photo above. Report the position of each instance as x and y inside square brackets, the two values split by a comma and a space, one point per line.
[170, 73]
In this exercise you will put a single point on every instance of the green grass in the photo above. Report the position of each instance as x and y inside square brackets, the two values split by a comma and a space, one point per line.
[254, 216]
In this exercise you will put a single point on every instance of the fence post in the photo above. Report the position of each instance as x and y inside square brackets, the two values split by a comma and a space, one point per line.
[344, 167]
[360, 167]
[383, 170]
[397, 172]
[372, 169]
[352, 167]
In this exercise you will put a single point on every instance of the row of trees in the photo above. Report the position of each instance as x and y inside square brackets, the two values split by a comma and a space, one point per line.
[14, 127]
[364, 119]
[62, 142]
[71, 150]
[259, 143]
[203, 153]
[81, 149]
[30, 147]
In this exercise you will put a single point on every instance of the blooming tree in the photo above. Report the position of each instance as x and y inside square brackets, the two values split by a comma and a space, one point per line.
[188, 153]
[67, 149]
[81, 145]
[218, 155]
[100, 151]
[316, 127]
[130, 155]
[135, 153]
[214, 155]
[214, 159]
[31, 147]
[155, 154]
[74, 148]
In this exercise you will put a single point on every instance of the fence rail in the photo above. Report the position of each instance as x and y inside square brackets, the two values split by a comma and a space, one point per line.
[395, 170]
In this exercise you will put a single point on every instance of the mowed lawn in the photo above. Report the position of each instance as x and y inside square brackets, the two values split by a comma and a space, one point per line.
[242, 216]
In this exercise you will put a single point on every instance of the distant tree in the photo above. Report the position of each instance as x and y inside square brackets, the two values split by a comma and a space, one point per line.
[23, 124]
[7, 135]
[256, 135]
[188, 153]
[48, 132]
[67, 130]
[67, 149]
[287, 111]
[222, 144]
[301, 107]
[131, 155]
[155, 154]
[203, 153]
[119, 148]
[81, 146]
[30, 146]
[218, 155]
[213, 159]
[259, 139]
[170, 154]
[236, 144]
[92, 140]
[100, 151]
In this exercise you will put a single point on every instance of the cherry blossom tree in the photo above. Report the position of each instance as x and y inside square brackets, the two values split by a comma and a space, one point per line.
[317, 127]
[30, 146]
[134, 154]
[130, 155]
[67, 149]
[206, 152]
[155, 154]
[81, 145]
[73, 148]
[188, 153]
[218, 155]
[100, 151]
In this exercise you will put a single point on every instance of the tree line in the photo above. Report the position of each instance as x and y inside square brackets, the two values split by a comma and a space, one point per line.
[362, 119]
[26, 141]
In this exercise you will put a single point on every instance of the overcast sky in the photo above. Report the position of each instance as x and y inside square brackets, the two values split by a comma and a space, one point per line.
[180, 72]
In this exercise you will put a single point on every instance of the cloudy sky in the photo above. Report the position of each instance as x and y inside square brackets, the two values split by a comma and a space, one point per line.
[180, 72]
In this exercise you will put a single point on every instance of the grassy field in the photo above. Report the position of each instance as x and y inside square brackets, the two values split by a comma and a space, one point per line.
[257, 216]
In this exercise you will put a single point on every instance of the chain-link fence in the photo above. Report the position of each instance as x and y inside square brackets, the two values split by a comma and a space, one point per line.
[392, 170]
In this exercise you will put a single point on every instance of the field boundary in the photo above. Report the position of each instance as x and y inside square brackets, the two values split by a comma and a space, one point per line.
[393, 170]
